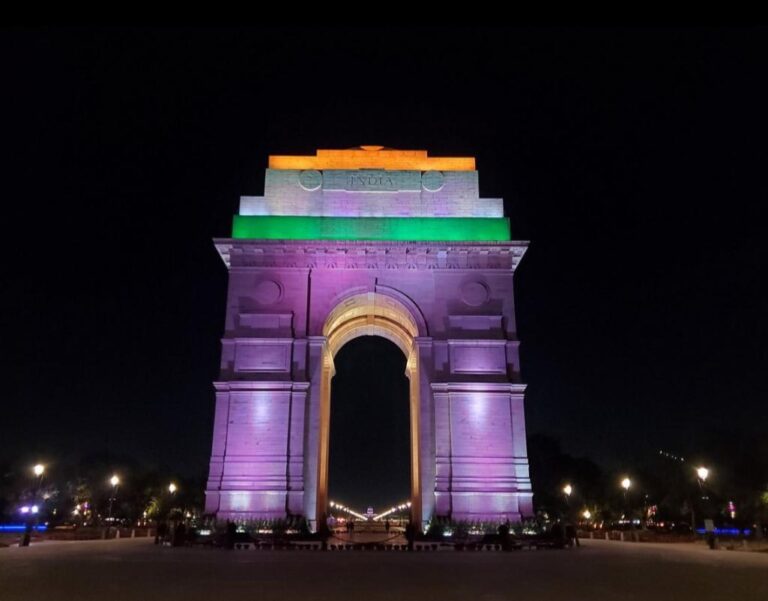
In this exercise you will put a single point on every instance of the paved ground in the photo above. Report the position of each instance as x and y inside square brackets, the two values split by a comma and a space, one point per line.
[599, 570]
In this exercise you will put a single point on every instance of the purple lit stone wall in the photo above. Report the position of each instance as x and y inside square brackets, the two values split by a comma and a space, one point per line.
[473, 458]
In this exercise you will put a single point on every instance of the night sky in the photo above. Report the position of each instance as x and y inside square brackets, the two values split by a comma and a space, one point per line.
[634, 160]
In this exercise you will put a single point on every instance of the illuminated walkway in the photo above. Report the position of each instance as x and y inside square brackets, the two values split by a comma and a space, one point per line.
[369, 532]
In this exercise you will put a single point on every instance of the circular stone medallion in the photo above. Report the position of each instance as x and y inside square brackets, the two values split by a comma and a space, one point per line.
[311, 180]
[268, 292]
[432, 181]
[474, 293]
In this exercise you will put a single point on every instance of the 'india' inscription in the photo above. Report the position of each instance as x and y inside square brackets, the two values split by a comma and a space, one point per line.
[376, 181]
[371, 180]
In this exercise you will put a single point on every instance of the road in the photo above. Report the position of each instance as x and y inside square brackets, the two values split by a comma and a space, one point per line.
[599, 570]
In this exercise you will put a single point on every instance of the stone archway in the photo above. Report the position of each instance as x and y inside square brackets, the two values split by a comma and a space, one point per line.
[369, 314]
[413, 254]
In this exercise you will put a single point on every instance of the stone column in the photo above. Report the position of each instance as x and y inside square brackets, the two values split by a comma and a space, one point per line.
[218, 450]
[426, 428]
[317, 346]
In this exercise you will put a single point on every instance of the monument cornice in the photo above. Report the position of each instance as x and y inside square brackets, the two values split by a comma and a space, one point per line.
[361, 254]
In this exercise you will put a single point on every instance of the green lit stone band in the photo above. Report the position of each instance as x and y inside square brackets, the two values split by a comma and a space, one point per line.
[470, 229]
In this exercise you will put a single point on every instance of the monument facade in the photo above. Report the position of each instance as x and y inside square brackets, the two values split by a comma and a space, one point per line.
[370, 242]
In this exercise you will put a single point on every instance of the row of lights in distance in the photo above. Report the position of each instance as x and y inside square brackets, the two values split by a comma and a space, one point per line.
[341, 507]
[701, 472]
[391, 510]
[39, 470]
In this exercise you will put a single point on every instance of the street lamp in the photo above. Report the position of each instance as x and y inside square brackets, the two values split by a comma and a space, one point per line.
[38, 470]
[626, 483]
[587, 514]
[567, 490]
[702, 473]
[172, 488]
[115, 482]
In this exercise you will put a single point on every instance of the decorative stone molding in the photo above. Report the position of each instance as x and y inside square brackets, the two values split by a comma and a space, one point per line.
[504, 256]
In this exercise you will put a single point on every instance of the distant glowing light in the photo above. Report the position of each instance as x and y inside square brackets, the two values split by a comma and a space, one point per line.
[38, 469]
[626, 483]
[21, 527]
[567, 489]
[114, 480]
[727, 531]
[587, 514]
[702, 473]
[24, 509]
[172, 488]
[391, 510]
[34, 509]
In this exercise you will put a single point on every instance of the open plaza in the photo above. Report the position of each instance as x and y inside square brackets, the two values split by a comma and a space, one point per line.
[130, 569]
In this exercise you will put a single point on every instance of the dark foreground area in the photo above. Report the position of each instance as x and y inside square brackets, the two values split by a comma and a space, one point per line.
[136, 569]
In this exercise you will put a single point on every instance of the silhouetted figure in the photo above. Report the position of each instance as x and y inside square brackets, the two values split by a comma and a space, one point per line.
[571, 536]
[229, 541]
[711, 541]
[503, 531]
[386, 526]
[410, 534]
[179, 535]
[161, 532]
[557, 533]
[27, 534]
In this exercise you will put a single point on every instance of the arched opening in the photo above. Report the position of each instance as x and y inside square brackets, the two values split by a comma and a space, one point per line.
[369, 462]
[370, 314]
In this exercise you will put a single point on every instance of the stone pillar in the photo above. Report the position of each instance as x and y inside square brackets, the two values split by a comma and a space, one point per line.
[256, 469]
[219, 445]
[426, 428]
[317, 349]
[295, 451]
[520, 454]
[482, 467]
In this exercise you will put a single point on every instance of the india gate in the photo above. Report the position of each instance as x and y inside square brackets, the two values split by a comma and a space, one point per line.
[370, 242]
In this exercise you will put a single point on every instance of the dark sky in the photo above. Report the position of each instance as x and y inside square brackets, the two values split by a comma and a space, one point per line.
[634, 160]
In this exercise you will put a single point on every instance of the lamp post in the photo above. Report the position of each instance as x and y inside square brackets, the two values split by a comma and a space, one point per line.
[567, 490]
[172, 488]
[38, 470]
[626, 484]
[702, 474]
[115, 482]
